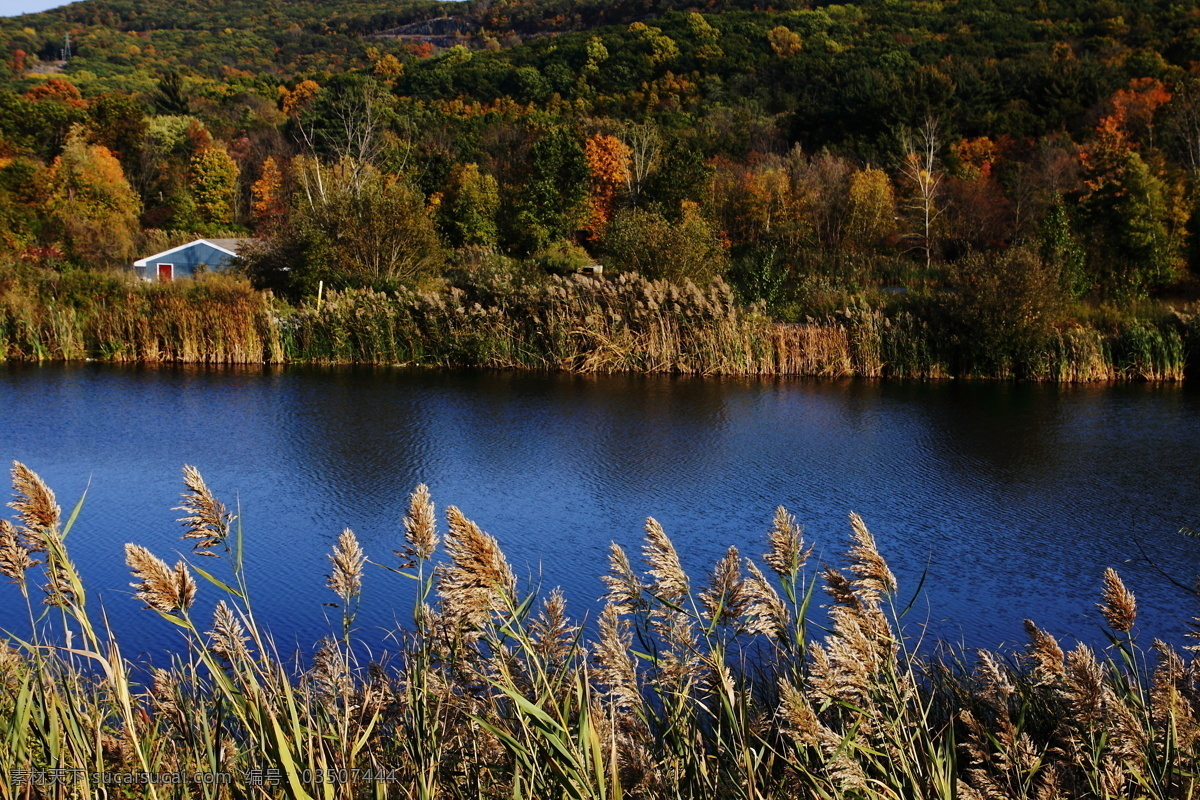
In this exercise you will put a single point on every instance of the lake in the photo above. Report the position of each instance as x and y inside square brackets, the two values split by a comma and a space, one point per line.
[1006, 500]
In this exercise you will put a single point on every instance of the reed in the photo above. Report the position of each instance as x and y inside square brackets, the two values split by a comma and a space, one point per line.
[682, 689]
[574, 323]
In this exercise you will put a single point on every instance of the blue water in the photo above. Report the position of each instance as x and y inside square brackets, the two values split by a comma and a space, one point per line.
[1000, 501]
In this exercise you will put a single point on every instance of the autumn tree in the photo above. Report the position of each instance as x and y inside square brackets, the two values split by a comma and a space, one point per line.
[784, 42]
[871, 215]
[91, 204]
[267, 200]
[608, 171]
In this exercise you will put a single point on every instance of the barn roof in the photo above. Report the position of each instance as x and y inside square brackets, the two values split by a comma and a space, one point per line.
[230, 246]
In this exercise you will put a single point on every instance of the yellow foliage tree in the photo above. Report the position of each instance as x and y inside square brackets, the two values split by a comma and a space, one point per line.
[91, 203]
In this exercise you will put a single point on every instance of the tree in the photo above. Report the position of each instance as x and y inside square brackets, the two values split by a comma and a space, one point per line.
[91, 203]
[608, 170]
[214, 183]
[349, 226]
[552, 204]
[871, 216]
[468, 208]
[646, 242]
[267, 201]
[920, 169]
[785, 43]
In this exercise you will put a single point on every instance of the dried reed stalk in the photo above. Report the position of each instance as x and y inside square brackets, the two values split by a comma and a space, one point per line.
[35, 506]
[478, 580]
[206, 519]
[160, 587]
[420, 528]
[348, 559]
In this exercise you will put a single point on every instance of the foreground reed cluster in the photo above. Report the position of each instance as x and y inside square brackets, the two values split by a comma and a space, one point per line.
[575, 323]
[676, 689]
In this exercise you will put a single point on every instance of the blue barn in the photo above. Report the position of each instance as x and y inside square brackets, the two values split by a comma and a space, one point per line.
[186, 260]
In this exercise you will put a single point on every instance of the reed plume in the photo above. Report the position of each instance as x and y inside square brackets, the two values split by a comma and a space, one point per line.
[35, 506]
[1117, 604]
[478, 580]
[160, 587]
[725, 599]
[624, 586]
[1045, 654]
[420, 528]
[206, 519]
[787, 554]
[615, 670]
[670, 581]
[552, 634]
[228, 638]
[765, 612]
[15, 559]
[348, 558]
[873, 576]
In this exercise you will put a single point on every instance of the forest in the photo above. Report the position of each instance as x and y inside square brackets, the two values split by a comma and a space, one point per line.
[1001, 173]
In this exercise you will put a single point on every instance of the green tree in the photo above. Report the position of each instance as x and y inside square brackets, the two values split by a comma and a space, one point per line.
[349, 226]
[468, 210]
[214, 183]
[648, 243]
[552, 203]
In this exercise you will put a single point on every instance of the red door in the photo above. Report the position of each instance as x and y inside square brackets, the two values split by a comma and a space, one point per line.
[166, 272]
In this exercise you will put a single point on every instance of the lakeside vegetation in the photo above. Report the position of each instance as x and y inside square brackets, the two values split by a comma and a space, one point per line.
[678, 688]
[998, 188]
[571, 323]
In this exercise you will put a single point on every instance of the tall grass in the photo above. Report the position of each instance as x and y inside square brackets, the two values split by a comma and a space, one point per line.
[680, 688]
[574, 323]
[72, 316]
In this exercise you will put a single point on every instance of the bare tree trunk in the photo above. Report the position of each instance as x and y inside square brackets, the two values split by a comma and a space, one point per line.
[920, 168]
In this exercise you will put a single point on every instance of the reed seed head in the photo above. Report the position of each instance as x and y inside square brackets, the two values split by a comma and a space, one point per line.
[348, 558]
[478, 579]
[14, 556]
[552, 632]
[725, 599]
[1046, 655]
[670, 581]
[765, 612]
[873, 576]
[420, 527]
[787, 553]
[1117, 604]
[205, 517]
[228, 637]
[160, 587]
[615, 669]
[624, 586]
[35, 506]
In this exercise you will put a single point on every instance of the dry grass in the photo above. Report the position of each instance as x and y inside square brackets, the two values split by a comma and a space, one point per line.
[672, 693]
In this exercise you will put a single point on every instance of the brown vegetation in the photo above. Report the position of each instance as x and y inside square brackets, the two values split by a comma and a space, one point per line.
[724, 693]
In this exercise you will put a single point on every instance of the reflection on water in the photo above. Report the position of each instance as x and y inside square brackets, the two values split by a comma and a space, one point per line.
[1008, 500]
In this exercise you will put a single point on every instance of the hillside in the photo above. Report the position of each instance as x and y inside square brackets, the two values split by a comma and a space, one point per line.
[1035, 161]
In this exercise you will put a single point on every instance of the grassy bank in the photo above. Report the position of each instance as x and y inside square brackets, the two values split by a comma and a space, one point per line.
[679, 688]
[583, 324]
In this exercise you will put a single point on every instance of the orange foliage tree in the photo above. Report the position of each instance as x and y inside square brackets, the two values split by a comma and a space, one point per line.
[608, 170]
[267, 195]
